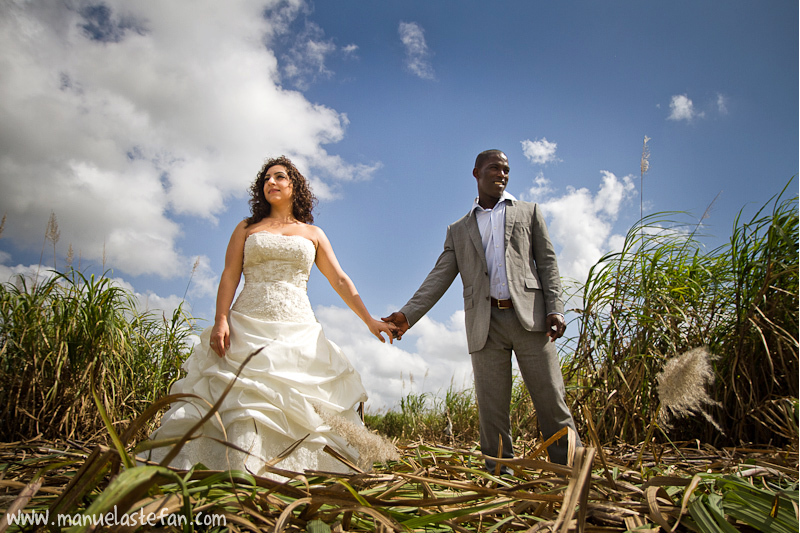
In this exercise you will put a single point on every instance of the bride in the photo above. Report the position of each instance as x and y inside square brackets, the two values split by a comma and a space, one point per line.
[300, 384]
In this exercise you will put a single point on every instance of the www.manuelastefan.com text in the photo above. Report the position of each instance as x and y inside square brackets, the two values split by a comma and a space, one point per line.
[112, 518]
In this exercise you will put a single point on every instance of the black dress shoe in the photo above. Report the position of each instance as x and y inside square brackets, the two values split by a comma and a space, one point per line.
[504, 470]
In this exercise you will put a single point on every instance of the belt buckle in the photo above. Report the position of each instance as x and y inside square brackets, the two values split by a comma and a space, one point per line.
[501, 306]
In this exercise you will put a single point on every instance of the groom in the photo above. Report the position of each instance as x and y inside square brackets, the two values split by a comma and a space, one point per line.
[511, 298]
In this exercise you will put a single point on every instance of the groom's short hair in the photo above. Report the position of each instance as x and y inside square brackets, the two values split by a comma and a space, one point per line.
[486, 153]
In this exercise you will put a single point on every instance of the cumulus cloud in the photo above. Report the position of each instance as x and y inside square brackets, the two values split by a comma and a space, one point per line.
[581, 222]
[431, 357]
[682, 108]
[121, 116]
[417, 54]
[540, 151]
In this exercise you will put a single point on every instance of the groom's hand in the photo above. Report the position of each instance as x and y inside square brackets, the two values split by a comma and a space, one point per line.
[555, 326]
[401, 323]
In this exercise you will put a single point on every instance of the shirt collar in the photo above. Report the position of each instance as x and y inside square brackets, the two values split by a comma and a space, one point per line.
[503, 197]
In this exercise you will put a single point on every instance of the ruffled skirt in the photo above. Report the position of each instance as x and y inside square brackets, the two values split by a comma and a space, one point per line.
[299, 386]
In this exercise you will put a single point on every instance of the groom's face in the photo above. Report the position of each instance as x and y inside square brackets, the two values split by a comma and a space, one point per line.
[492, 177]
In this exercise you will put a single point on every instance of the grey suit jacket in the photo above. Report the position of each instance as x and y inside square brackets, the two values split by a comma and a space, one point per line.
[531, 267]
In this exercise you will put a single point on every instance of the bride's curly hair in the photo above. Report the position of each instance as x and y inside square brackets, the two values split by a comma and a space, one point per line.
[303, 200]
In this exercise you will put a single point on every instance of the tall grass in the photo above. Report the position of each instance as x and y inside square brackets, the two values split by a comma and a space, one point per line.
[452, 418]
[663, 295]
[57, 334]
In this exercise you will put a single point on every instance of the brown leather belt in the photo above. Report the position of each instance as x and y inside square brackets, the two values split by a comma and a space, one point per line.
[502, 304]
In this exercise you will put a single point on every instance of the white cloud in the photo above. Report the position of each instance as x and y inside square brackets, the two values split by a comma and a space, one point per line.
[431, 356]
[539, 152]
[305, 61]
[682, 108]
[541, 188]
[120, 116]
[581, 222]
[19, 274]
[413, 37]
[722, 104]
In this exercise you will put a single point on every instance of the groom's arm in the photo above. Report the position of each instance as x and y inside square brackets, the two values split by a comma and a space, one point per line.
[546, 264]
[432, 289]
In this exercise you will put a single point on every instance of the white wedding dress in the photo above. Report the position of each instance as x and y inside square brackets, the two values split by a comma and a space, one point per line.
[281, 394]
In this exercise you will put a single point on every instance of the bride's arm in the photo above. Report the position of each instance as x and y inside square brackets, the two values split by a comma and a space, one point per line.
[229, 281]
[329, 266]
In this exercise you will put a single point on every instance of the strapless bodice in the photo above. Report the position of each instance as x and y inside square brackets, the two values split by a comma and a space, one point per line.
[276, 269]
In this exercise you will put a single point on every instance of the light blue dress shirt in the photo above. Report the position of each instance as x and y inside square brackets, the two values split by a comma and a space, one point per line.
[492, 225]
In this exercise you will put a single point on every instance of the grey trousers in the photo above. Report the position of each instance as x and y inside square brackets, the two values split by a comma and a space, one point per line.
[541, 371]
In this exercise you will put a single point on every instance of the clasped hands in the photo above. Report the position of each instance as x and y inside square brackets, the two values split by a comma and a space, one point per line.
[400, 323]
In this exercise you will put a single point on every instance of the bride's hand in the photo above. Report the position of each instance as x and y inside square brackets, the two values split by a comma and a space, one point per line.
[220, 338]
[377, 327]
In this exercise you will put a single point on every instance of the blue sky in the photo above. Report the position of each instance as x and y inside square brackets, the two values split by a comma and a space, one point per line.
[140, 125]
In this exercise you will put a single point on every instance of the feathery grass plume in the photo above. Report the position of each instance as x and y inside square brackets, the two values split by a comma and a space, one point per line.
[70, 256]
[53, 234]
[645, 156]
[682, 386]
[2, 224]
[645, 166]
[371, 446]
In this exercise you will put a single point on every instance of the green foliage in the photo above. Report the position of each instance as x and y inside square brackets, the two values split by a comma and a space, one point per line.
[452, 418]
[58, 335]
[766, 509]
[461, 412]
[429, 417]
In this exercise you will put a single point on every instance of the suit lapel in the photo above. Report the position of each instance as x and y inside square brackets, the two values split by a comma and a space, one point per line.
[475, 235]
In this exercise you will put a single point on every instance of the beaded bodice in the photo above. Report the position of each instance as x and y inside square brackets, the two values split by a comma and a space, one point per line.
[276, 269]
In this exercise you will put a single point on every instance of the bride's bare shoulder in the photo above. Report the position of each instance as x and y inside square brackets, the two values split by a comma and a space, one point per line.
[240, 231]
[312, 233]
